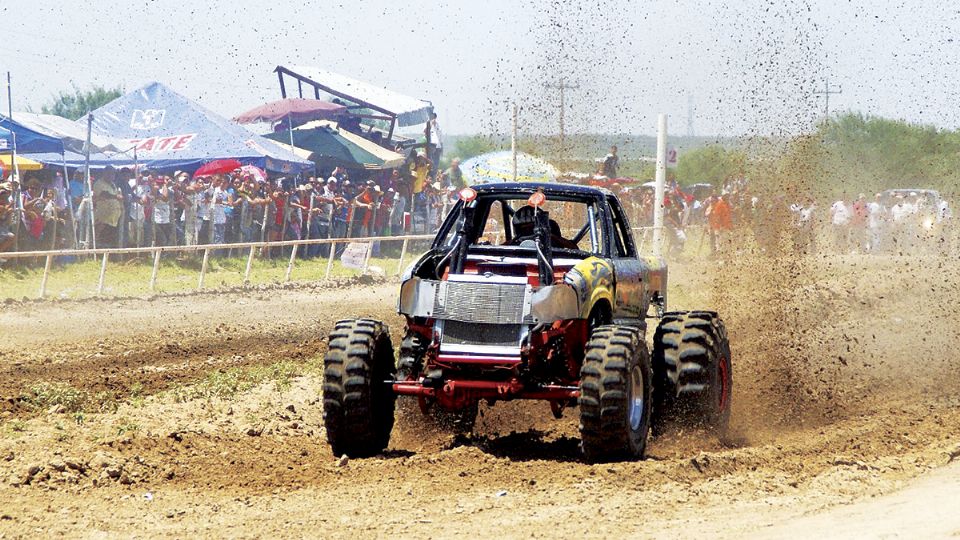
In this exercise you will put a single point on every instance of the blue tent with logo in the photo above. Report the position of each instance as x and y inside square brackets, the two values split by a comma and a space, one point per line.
[170, 132]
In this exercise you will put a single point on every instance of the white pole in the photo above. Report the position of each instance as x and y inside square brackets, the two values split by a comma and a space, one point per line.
[89, 182]
[290, 131]
[513, 142]
[661, 179]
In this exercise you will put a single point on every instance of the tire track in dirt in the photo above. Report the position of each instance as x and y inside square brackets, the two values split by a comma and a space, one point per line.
[155, 344]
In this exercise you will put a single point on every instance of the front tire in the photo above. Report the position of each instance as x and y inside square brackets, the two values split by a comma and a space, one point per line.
[615, 395]
[358, 408]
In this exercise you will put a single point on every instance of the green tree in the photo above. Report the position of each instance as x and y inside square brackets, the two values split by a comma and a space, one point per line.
[712, 164]
[76, 103]
[468, 147]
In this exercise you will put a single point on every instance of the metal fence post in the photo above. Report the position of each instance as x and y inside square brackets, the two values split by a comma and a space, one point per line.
[333, 251]
[403, 251]
[103, 273]
[246, 273]
[46, 272]
[366, 260]
[156, 269]
[203, 267]
[293, 257]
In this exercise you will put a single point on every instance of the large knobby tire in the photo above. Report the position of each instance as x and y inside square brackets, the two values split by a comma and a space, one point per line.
[692, 371]
[358, 407]
[615, 395]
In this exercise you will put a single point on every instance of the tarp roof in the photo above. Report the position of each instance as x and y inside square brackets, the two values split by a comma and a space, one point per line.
[173, 132]
[409, 111]
[29, 140]
[329, 148]
[73, 135]
[301, 110]
[390, 158]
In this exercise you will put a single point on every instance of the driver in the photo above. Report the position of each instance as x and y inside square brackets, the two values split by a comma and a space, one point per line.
[523, 229]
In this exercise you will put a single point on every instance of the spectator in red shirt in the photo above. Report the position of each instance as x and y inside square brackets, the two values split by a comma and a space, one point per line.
[719, 220]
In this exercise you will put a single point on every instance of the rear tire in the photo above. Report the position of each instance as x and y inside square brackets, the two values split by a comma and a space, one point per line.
[692, 371]
[615, 395]
[358, 407]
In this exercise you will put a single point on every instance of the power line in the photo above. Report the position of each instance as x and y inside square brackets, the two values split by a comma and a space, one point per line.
[562, 86]
[826, 92]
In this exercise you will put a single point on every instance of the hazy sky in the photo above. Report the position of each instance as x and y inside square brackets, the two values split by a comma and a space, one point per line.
[750, 66]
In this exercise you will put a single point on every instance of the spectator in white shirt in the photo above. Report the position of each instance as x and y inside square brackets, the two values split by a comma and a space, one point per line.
[164, 233]
[840, 215]
[875, 224]
[434, 139]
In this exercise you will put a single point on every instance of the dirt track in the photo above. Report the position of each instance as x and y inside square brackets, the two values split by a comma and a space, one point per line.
[846, 387]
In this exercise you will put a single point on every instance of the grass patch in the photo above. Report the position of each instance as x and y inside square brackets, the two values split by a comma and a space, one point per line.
[230, 382]
[125, 426]
[67, 398]
[45, 395]
[78, 277]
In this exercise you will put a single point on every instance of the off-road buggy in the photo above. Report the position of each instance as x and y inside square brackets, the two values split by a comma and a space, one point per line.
[532, 291]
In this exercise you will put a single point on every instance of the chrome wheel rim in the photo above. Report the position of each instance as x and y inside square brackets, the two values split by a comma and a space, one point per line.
[636, 399]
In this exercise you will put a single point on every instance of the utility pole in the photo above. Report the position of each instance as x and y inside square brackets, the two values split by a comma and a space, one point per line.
[689, 116]
[562, 86]
[826, 96]
[659, 185]
[513, 142]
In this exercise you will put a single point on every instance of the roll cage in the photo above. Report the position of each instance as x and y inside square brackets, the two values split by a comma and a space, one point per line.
[599, 224]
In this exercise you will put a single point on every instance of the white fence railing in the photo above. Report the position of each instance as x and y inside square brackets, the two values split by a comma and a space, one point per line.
[158, 251]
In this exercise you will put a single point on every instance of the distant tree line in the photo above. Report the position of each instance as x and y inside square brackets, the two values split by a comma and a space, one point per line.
[76, 103]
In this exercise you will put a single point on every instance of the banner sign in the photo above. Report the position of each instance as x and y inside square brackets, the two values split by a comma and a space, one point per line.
[355, 256]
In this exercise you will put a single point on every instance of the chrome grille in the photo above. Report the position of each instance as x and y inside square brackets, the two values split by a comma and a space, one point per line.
[492, 303]
[463, 333]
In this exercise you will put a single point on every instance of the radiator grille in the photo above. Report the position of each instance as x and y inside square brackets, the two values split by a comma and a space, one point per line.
[462, 333]
[491, 303]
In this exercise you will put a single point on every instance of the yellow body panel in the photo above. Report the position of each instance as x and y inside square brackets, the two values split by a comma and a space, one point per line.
[598, 284]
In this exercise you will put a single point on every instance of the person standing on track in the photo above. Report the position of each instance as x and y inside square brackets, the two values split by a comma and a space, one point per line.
[875, 223]
[840, 216]
[720, 220]
[858, 223]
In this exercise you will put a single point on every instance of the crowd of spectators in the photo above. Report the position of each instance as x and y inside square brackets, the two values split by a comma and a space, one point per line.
[154, 208]
[732, 217]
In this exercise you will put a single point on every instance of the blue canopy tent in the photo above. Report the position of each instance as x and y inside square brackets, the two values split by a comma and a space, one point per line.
[29, 141]
[18, 140]
[170, 132]
[6, 145]
[6, 140]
